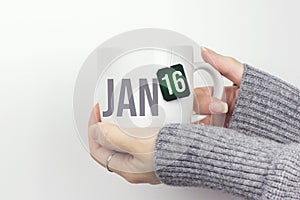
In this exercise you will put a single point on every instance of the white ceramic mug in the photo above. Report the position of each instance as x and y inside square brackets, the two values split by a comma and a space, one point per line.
[129, 92]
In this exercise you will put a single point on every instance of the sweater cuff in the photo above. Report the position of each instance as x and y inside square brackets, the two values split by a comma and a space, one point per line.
[218, 158]
[267, 107]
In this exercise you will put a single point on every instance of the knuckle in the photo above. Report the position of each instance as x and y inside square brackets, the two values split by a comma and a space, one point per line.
[234, 62]
[231, 59]
[108, 128]
[105, 129]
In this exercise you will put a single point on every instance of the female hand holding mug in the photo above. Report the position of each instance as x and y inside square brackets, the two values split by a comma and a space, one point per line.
[256, 156]
[135, 163]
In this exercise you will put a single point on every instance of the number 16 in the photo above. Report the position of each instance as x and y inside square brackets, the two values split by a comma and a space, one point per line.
[172, 82]
[178, 81]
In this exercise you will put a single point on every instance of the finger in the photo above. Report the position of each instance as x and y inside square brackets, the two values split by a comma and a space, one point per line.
[205, 104]
[97, 136]
[95, 115]
[204, 121]
[148, 177]
[227, 66]
[145, 177]
[93, 144]
[112, 137]
[119, 162]
[126, 165]
[94, 118]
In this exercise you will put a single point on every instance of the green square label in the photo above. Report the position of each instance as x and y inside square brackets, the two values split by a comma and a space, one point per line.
[172, 82]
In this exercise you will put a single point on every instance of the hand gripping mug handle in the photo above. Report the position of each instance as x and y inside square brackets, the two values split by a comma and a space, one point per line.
[217, 81]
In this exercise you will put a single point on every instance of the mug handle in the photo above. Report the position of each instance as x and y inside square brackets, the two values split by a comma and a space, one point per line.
[217, 81]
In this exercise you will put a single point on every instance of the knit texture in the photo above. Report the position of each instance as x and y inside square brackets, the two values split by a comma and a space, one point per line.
[258, 157]
[267, 107]
[224, 159]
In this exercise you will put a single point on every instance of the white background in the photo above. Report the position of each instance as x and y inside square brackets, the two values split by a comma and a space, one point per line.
[44, 43]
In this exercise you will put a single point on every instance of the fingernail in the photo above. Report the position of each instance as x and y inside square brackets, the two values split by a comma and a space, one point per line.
[218, 107]
[204, 49]
[209, 51]
[93, 131]
[207, 54]
[97, 112]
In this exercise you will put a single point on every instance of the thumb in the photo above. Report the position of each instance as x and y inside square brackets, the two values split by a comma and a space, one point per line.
[112, 137]
[227, 66]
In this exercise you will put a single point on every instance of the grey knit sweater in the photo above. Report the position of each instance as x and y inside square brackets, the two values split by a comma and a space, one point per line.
[257, 157]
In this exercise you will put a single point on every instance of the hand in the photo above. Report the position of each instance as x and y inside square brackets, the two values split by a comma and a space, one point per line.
[204, 103]
[134, 159]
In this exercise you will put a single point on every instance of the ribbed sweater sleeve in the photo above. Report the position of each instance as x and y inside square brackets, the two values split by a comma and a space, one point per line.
[268, 107]
[225, 159]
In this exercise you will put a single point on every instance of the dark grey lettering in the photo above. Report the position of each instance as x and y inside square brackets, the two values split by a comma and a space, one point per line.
[153, 101]
[126, 86]
[110, 96]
